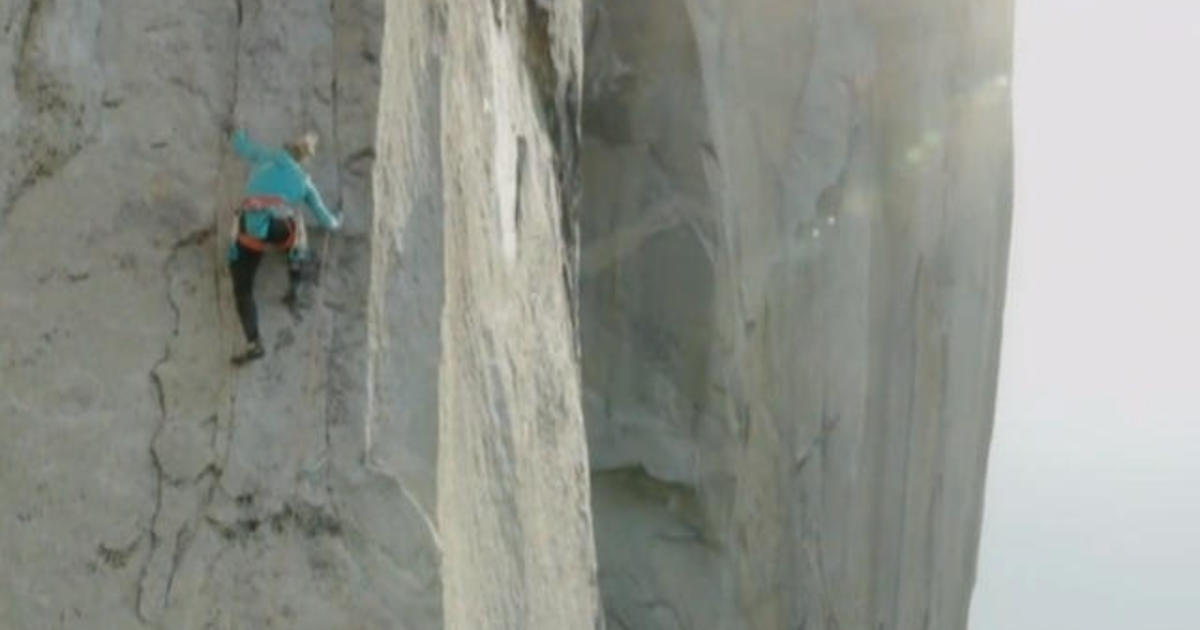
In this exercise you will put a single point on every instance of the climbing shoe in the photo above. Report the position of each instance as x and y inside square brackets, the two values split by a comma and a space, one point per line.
[305, 267]
[296, 301]
[255, 351]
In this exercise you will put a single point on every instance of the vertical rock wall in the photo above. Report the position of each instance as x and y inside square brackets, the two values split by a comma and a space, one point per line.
[778, 307]
[795, 229]
[149, 483]
[472, 298]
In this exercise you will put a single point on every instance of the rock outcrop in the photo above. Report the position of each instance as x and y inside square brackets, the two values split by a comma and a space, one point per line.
[759, 245]
[411, 453]
[795, 232]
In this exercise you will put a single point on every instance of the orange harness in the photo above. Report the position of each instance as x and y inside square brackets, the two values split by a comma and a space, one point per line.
[259, 203]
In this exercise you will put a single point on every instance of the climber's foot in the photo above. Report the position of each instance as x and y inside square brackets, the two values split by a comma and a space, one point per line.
[295, 304]
[253, 352]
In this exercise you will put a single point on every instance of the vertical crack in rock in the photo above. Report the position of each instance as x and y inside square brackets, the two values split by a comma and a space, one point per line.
[193, 239]
[234, 94]
[183, 539]
[333, 406]
[231, 120]
[158, 492]
[522, 150]
[335, 138]
[558, 86]
[334, 98]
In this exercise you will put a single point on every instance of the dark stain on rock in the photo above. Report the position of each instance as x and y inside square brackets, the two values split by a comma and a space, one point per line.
[117, 557]
[309, 520]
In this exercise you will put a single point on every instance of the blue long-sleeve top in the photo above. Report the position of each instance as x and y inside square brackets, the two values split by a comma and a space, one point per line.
[274, 173]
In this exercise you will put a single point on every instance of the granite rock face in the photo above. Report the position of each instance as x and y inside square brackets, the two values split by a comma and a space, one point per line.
[473, 294]
[411, 452]
[795, 234]
[759, 245]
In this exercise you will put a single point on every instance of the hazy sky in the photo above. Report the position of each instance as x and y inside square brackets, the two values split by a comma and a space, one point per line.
[1093, 504]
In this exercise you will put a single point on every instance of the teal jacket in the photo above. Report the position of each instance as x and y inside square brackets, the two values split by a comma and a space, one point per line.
[273, 172]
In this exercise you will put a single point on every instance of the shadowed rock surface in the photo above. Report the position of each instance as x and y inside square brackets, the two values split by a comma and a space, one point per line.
[795, 234]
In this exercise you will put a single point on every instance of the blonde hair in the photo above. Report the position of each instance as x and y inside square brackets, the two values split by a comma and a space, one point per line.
[303, 147]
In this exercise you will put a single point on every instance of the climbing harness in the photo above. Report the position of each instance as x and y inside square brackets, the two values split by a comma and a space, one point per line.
[296, 238]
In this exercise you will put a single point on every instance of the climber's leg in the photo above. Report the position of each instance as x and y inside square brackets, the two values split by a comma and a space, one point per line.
[243, 266]
[242, 269]
[292, 298]
[298, 259]
[300, 242]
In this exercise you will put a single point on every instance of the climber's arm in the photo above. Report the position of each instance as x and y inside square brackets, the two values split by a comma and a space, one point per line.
[312, 199]
[250, 150]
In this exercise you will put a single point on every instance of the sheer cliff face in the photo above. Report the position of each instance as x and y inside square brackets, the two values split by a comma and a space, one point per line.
[475, 189]
[795, 229]
[411, 452]
[769, 273]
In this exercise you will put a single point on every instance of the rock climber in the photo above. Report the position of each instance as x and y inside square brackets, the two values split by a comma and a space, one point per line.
[266, 219]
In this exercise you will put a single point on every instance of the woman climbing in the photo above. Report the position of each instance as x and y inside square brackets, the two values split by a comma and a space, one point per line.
[276, 184]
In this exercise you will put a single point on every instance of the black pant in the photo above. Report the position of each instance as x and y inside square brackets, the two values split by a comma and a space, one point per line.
[243, 268]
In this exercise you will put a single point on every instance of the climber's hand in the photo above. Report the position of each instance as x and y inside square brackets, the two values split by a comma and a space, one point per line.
[337, 223]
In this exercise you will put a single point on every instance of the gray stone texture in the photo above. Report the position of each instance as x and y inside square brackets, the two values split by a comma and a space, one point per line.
[795, 234]
[373, 471]
[758, 244]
